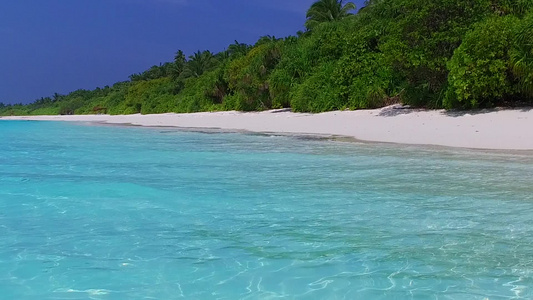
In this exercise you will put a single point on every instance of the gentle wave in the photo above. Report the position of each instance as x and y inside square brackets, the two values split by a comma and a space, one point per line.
[135, 213]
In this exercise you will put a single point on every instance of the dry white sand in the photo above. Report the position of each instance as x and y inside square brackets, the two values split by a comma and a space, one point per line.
[496, 129]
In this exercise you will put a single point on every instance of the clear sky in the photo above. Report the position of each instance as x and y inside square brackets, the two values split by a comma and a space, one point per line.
[49, 46]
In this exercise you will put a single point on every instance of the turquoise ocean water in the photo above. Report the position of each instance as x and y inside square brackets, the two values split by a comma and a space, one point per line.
[89, 212]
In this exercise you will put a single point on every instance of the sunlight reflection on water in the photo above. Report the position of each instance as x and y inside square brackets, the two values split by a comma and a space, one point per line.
[114, 213]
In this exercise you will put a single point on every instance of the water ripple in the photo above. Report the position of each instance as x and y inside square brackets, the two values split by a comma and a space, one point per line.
[132, 213]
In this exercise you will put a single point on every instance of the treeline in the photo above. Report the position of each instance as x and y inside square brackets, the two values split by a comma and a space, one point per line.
[435, 54]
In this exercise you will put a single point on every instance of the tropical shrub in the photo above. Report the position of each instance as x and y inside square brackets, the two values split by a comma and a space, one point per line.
[318, 92]
[147, 97]
[247, 76]
[479, 69]
[203, 93]
[364, 77]
[522, 55]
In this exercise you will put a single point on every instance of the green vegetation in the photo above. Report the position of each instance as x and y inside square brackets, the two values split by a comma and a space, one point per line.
[434, 54]
[327, 11]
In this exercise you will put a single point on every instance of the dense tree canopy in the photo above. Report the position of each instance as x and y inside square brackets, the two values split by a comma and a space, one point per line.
[328, 11]
[434, 54]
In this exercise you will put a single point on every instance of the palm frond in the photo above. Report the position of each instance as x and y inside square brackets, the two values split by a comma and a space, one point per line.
[328, 11]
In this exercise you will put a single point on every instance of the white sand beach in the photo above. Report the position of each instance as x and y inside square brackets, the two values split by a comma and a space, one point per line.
[501, 129]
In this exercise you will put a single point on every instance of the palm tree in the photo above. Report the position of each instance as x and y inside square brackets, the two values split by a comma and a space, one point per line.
[328, 11]
[238, 49]
[266, 39]
[57, 97]
[199, 63]
[179, 64]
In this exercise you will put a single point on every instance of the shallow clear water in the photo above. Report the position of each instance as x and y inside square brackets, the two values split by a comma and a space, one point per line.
[91, 212]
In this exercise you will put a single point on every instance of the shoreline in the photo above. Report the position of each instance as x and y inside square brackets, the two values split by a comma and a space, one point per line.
[499, 129]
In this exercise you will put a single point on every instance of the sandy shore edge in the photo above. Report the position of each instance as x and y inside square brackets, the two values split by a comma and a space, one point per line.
[499, 129]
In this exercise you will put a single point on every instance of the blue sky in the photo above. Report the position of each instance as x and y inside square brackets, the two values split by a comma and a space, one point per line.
[49, 46]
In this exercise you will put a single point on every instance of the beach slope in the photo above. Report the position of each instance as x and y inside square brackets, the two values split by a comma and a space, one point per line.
[503, 129]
